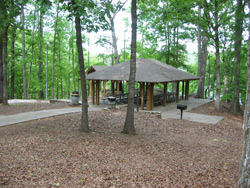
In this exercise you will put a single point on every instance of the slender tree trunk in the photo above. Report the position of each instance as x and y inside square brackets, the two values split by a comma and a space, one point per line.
[73, 63]
[235, 105]
[40, 71]
[209, 72]
[69, 78]
[23, 51]
[226, 69]
[54, 52]
[117, 57]
[1, 66]
[244, 175]
[32, 51]
[73, 60]
[177, 46]
[13, 40]
[217, 62]
[61, 78]
[84, 120]
[129, 122]
[200, 61]
[202, 68]
[5, 67]
[168, 51]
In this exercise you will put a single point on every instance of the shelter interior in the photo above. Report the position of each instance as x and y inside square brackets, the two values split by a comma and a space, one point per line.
[148, 95]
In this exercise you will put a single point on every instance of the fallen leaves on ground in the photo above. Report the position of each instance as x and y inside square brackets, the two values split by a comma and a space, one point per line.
[53, 152]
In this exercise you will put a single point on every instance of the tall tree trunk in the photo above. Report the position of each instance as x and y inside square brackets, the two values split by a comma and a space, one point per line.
[235, 105]
[23, 51]
[217, 62]
[1, 66]
[13, 40]
[117, 57]
[40, 71]
[73, 61]
[69, 78]
[168, 43]
[32, 51]
[177, 46]
[54, 52]
[61, 78]
[244, 175]
[84, 119]
[199, 91]
[5, 67]
[202, 68]
[129, 122]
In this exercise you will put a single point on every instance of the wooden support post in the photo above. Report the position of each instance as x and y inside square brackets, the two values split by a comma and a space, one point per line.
[149, 96]
[113, 87]
[90, 87]
[152, 96]
[165, 94]
[177, 92]
[117, 87]
[93, 91]
[97, 91]
[182, 97]
[187, 90]
[104, 88]
[142, 95]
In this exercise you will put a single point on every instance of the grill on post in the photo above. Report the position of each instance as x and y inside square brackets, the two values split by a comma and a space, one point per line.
[181, 107]
[111, 102]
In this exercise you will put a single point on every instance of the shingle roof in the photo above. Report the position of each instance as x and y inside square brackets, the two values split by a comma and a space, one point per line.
[95, 68]
[147, 70]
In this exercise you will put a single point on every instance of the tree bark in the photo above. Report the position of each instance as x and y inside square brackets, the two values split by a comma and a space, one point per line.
[217, 61]
[200, 60]
[32, 51]
[5, 66]
[1, 67]
[12, 91]
[235, 105]
[54, 52]
[117, 57]
[84, 120]
[40, 70]
[23, 51]
[202, 68]
[244, 175]
[69, 78]
[129, 122]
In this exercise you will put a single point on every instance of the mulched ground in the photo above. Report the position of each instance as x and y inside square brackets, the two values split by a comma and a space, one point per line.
[165, 153]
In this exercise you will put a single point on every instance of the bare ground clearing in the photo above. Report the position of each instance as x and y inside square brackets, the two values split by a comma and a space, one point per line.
[165, 153]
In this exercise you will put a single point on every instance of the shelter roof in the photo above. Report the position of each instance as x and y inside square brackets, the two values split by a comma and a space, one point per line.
[95, 68]
[147, 70]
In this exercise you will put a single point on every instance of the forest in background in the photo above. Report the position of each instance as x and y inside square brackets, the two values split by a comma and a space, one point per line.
[30, 29]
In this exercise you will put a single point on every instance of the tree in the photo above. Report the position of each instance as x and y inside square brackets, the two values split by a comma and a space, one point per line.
[218, 11]
[129, 122]
[202, 56]
[23, 51]
[244, 175]
[111, 14]
[239, 16]
[54, 50]
[13, 40]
